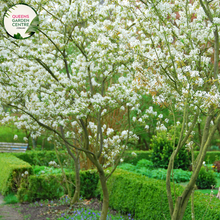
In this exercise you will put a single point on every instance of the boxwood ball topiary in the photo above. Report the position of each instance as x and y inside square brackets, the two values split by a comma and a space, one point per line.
[162, 148]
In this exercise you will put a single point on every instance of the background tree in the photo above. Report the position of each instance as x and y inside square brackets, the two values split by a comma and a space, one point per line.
[69, 78]
[173, 44]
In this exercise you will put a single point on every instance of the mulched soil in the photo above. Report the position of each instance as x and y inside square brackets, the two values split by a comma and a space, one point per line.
[39, 211]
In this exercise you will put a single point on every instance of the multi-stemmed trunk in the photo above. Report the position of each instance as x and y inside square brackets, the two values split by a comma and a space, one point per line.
[177, 211]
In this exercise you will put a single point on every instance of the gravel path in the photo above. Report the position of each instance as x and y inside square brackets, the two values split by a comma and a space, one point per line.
[7, 212]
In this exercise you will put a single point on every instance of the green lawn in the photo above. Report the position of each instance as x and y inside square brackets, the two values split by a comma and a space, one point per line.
[7, 135]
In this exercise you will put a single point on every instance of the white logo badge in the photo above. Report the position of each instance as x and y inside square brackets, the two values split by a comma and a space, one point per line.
[20, 21]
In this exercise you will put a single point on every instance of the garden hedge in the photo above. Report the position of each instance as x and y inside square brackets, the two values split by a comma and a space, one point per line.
[41, 158]
[11, 170]
[52, 186]
[146, 198]
[211, 156]
[128, 158]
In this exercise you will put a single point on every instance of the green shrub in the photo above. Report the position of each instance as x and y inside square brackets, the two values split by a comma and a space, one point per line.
[146, 198]
[127, 166]
[52, 186]
[128, 158]
[41, 158]
[10, 199]
[144, 171]
[162, 148]
[11, 169]
[206, 179]
[211, 156]
[141, 168]
[145, 163]
[41, 187]
[38, 170]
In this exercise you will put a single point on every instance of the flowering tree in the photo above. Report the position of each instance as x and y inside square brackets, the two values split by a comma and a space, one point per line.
[176, 56]
[69, 78]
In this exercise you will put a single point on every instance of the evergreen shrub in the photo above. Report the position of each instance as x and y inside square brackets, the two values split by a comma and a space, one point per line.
[11, 170]
[128, 158]
[145, 163]
[41, 158]
[206, 178]
[146, 198]
[162, 148]
[52, 186]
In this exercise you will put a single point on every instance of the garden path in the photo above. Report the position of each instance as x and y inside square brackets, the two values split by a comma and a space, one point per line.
[8, 212]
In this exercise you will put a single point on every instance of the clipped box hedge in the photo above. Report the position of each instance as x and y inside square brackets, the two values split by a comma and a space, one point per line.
[128, 158]
[11, 170]
[52, 186]
[211, 156]
[41, 158]
[146, 198]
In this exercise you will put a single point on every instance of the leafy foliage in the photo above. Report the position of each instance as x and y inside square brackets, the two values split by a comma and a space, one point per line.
[146, 198]
[206, 179]
[11, 169]
[145, 167]
[41, 158]
[145, 163]
[52, 186]
[162, 148]
[38, 170]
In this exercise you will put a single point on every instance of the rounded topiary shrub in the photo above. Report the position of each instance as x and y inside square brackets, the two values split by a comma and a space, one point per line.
[162, 148]
[206, 179]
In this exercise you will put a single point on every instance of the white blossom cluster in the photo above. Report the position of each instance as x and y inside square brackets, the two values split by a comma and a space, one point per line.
[88, 60]
[76, 68]
[53, 164]
[171, 56]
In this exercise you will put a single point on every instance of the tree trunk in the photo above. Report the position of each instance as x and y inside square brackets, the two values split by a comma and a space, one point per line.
[77, 182]
[192, 196]
[200, 133]
[105, 195]
[181, 203]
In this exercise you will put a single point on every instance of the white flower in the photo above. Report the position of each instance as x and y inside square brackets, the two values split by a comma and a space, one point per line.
[134, 119]
[121, 160]
[177, 122]
[26, 173]
[147, 127]
[122, 108]
[140, 119]
[216, 20]
[25, 139]
[15, 137]
[203, 162]
[166, 120]
[109, 131]
[134, 154]
[160, 116]
[22, 174]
